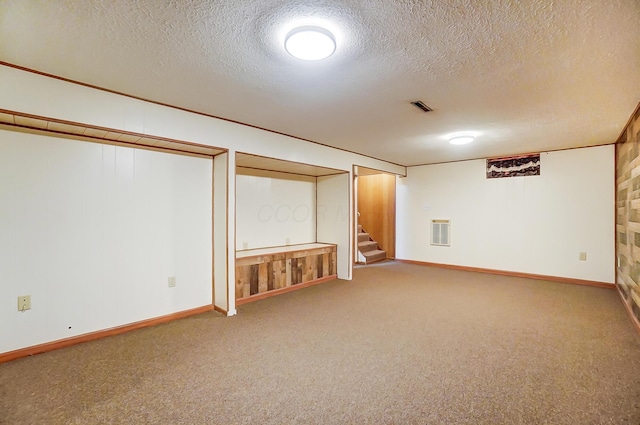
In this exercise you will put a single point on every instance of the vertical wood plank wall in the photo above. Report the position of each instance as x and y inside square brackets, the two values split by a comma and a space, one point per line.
[377, 207]
[628, 213]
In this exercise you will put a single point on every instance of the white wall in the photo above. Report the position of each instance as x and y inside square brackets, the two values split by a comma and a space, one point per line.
[334, 218]
[92, 232]
[274, 209]
[31, 93]
[535, 224]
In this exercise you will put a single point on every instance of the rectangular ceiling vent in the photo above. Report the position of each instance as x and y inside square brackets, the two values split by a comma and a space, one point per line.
[441, 232]
[420, 104]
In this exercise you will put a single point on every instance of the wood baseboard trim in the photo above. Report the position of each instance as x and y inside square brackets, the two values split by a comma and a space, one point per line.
[514, 274]
[67, 342]
[627, 307]
[274, 292]
[220, 310]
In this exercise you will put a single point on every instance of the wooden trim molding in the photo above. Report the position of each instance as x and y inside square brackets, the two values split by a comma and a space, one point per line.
[220, 310]
[280, 291]
[67, 342]
[513, 274]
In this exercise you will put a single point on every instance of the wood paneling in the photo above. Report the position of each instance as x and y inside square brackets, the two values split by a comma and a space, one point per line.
[628, 213]
[377, 207]
[260, 274]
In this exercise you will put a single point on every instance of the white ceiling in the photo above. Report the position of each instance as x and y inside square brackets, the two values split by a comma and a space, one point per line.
[524, 76]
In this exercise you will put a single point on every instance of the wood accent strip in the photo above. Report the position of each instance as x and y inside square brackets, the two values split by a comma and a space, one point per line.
[67, 342]
[513, 274]
[268, 294]
[627, 307]
[56, 77]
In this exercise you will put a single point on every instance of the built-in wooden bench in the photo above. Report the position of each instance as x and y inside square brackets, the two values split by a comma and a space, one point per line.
[264, 272]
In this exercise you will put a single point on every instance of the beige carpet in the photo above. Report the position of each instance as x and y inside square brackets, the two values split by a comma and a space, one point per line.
[400, 344]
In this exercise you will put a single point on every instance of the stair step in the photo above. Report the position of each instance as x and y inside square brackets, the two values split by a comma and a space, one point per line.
[367, 246]
[363, 237]
[374, 255]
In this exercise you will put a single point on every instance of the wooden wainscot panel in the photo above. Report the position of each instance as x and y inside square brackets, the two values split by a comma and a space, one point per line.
[264, 275]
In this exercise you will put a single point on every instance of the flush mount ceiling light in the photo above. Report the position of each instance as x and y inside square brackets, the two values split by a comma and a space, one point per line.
[310, 43]
[461, 140]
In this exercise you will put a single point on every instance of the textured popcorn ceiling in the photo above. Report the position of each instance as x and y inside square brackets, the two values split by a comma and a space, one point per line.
[524, 76]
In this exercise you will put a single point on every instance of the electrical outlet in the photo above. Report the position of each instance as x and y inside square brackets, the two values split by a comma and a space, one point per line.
[245, 245]
[582, 256]
[172, 281]
[24, 302]
[288, 241]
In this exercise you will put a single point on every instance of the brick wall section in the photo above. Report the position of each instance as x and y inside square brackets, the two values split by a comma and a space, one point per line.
[628, 212]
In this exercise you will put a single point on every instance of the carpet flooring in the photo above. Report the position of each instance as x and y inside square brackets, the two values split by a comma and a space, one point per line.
[400, 344]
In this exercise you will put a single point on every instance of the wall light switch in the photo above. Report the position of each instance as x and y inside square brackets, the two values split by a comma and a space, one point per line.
[24, 302]
[582, 256]
[172, 281]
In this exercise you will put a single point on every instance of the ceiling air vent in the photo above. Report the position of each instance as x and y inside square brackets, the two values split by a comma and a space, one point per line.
[420, 104]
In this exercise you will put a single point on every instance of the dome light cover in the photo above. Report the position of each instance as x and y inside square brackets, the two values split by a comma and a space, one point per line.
[461, 140]
[310, 43]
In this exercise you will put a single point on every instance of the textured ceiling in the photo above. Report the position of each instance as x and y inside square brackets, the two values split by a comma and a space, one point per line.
[523, 76]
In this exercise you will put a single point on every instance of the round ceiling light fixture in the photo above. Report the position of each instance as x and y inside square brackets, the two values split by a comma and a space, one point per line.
[461, 140]
[310, 43]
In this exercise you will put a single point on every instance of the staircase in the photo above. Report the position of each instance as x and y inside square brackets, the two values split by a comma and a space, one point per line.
[369, 248]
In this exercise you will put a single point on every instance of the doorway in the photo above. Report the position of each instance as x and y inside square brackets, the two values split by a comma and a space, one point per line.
[375, 215]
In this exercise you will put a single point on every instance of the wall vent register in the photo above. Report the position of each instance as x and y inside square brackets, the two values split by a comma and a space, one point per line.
[441, 232]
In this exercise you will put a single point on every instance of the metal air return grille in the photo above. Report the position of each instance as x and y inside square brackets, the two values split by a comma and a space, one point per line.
[441, 232]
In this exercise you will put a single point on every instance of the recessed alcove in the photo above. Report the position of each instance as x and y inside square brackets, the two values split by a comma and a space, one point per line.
[292, 225]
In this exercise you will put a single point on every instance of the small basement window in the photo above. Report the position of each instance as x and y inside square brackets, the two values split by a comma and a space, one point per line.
[441, 232]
